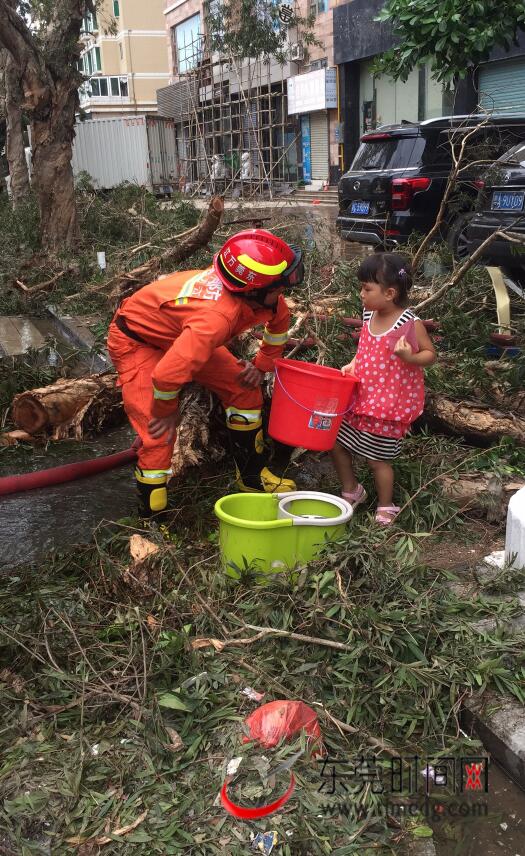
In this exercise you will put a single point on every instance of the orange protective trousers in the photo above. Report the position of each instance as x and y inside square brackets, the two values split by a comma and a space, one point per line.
[135, 363]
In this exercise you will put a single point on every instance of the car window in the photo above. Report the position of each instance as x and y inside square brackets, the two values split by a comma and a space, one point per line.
[438, 153]
[394, 153]
[486, 144]
[515, 155]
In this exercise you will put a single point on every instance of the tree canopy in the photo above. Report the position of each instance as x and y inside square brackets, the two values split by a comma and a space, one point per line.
[451, 36]
[255, 28]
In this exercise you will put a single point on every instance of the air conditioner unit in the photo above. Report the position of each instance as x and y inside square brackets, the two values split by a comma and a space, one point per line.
[296, 52]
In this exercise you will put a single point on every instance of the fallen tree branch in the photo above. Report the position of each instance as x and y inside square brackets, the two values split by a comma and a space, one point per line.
[127, 282]
[262, 632]
[461, 271]
[29, 290]
[450, 187]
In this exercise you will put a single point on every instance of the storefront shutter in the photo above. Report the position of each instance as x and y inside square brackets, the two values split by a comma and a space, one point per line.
[501, 86]
[319, 145]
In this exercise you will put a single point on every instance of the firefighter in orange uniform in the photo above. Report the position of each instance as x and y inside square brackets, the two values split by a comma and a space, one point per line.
[175, 330]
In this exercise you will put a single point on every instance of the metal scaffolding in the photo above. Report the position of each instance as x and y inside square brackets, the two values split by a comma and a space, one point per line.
[233, 132]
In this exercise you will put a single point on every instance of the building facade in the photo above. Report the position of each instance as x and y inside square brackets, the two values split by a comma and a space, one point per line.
[265, 125]
[368, 101]
[313, 95]
[234, 131]
[123, 58]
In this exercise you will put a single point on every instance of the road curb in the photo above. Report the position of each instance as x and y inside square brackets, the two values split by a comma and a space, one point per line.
[75, 332]
[499, 722]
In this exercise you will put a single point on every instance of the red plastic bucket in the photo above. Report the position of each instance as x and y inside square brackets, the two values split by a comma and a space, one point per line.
[308, 404]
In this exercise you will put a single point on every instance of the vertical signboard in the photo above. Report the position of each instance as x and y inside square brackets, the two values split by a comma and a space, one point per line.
[307, 148]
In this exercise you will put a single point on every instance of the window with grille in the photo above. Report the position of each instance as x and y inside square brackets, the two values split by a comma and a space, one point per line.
[318, 7]
[187, 43]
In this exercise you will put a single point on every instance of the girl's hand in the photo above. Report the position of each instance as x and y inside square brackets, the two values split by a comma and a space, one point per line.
[403, 350]
[349, 369]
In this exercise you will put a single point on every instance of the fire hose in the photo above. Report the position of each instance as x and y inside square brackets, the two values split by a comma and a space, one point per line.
[68, 472]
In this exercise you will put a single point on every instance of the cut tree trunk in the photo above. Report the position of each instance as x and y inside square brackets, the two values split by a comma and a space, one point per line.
[15, 147]
[69, 407]
[473, 419]
[483, 494]
[201, 435]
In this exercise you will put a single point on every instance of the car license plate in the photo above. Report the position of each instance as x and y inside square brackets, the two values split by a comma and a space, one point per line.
[360, 208]
[507, 201]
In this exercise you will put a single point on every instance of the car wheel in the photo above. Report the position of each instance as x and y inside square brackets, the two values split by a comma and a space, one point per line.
[457, 237]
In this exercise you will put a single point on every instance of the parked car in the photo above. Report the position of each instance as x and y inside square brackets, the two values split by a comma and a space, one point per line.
[500, 205]
[397, 179]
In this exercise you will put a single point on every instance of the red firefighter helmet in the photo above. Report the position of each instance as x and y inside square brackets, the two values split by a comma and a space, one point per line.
[256, 259]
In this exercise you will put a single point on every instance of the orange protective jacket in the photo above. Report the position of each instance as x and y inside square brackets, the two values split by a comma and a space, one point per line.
[188, 315]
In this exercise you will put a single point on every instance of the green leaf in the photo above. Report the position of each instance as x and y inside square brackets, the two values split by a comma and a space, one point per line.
[422, 832]
[172, 701]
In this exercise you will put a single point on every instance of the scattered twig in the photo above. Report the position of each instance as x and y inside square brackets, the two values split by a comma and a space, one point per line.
[29, 290]
[262, 632]
[104, 839]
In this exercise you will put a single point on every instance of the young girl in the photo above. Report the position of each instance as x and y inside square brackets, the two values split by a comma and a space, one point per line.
[393, 350]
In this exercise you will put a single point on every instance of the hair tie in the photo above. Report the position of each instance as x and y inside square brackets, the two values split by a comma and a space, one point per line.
[402, 272]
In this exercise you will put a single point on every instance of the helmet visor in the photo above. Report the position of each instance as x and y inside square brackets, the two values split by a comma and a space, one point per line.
[294, 274]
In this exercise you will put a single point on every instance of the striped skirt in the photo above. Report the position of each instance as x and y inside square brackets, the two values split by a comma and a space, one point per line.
[371, 446]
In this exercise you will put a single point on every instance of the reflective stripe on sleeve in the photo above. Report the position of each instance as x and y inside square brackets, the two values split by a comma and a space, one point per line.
[187, 289]
[274, 338]
[160, 395]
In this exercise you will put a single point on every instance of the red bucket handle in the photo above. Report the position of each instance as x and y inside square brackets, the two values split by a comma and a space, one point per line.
[308, 409]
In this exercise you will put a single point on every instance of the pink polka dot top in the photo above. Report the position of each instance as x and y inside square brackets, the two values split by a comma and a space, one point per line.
[391, 393]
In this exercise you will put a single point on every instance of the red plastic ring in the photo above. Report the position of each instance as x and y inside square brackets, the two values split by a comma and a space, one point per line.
[254, 813]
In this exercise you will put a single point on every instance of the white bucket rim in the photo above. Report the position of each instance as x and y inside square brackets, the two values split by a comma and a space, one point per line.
[346, 510]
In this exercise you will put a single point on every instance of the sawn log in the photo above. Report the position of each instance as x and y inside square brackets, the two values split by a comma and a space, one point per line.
[474, 419]
[67, 407]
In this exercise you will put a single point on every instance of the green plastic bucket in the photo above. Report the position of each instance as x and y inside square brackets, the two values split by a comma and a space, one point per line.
[275, 532]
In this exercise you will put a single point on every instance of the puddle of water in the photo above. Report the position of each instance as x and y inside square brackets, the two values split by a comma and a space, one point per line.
[37, 521]
[502, 831]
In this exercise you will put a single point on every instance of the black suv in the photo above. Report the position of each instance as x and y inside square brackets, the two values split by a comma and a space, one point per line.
[399, 174]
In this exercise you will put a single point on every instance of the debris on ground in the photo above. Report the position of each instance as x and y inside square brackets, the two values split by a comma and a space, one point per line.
[283, 720]
[252, 694]
[264, 842]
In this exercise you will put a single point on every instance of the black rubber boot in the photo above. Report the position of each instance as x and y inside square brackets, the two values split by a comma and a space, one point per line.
[253, 476]
[153, 494]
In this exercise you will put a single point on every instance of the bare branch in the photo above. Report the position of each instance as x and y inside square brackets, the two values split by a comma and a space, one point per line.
[461, 271]
[451, 184]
